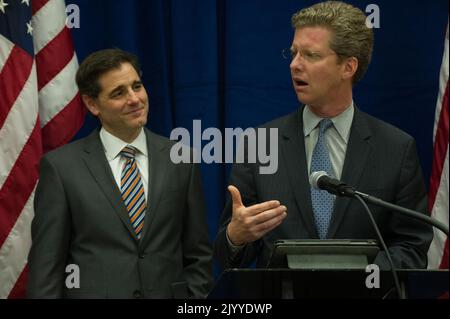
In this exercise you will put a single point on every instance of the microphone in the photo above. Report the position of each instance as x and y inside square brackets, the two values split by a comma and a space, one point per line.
[321, 180]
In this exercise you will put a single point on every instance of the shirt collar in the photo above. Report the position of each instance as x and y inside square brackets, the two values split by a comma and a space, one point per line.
[113, 145]
[342, 122]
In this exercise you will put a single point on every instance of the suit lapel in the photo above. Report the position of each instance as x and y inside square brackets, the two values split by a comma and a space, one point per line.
[158, 162]
[293, 150]
[358, 151]
[100, 170]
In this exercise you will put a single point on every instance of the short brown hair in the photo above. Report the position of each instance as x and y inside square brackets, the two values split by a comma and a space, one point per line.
[351, 36]
[99, 63]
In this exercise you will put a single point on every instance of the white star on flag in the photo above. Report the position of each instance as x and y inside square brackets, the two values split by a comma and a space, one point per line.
[3, 4]
[29, 28]
[26, 1]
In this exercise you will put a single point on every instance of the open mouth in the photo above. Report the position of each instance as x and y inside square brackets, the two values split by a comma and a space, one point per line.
[300, 83]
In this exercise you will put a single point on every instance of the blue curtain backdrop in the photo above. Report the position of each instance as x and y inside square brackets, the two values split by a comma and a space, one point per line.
[220, 61]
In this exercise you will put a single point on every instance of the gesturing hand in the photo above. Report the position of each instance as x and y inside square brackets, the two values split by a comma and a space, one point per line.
[251, 223]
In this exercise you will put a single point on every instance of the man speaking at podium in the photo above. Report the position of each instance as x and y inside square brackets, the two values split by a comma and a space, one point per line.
[331, 51]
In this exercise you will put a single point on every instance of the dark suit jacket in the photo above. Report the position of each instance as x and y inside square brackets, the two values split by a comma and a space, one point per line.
[381, 160]
[80, 219]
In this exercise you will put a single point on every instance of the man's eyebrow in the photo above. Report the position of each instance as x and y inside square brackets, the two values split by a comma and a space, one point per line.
[121, 87]
[116, 89]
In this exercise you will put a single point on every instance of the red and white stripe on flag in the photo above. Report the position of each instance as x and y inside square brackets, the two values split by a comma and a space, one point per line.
[40, 109]
[439, 191]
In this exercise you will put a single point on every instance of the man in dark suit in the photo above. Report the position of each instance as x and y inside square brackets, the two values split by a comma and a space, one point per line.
[331, 51]
[114, 206]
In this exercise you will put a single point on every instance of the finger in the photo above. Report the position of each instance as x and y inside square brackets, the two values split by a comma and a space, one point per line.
[269, 225]
[262, 207]
[235, 197]
[268, 215]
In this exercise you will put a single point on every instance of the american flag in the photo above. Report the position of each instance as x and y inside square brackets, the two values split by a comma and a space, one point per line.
[439, 192]
[40, 109]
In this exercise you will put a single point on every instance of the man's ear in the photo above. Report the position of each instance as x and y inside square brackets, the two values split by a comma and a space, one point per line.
[91, 104]
[350, 68]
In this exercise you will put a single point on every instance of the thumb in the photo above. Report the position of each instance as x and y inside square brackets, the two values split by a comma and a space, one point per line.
[235, 197]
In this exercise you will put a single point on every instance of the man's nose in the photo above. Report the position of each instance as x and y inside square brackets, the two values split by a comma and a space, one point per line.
[296, 63]
[132, 97]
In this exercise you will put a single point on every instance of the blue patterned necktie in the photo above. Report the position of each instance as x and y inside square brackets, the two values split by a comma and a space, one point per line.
[322, 201]
[132, 190]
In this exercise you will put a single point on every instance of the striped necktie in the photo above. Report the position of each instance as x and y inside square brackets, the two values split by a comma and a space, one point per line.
[322, 201]
[132, 190]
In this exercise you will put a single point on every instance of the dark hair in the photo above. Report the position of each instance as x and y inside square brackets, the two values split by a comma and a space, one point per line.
[99, 63]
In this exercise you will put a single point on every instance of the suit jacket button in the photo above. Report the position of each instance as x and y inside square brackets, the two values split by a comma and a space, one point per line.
[137, 294]
[141, 256]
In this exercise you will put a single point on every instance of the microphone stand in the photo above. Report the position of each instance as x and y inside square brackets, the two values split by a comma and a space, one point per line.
[400, 292]
[379, 202]
[348, 191]
[338, 188]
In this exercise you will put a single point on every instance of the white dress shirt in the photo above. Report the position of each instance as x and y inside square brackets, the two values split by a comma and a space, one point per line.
[113, 146]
